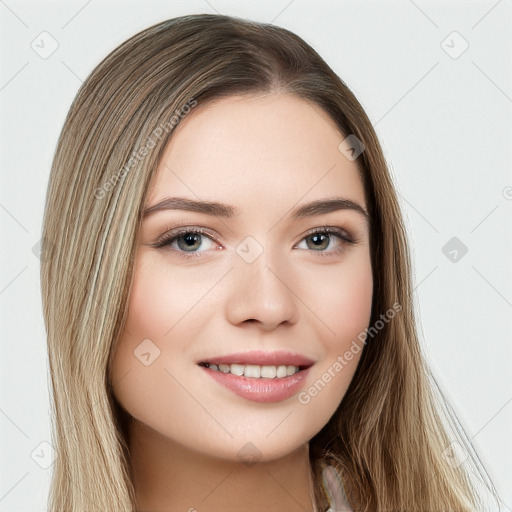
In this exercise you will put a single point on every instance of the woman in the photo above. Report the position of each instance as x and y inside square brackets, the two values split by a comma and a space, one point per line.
[228, 302]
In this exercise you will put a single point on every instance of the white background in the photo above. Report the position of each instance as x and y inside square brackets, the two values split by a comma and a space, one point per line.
[445, 124]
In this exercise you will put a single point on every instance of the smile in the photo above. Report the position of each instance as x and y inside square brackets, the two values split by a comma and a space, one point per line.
[254, 371]
[259, 375]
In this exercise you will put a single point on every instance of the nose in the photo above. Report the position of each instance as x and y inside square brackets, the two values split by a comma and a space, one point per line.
[262, 292]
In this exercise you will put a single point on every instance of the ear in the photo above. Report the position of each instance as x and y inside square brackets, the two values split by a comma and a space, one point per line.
[335, 492]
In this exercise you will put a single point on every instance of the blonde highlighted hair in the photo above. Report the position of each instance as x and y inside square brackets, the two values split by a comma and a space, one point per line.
[389, 435]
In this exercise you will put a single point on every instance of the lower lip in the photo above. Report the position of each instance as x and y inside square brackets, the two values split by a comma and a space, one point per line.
[260, 390]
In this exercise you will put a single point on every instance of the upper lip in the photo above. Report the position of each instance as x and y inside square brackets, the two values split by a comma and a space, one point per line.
[261, 358]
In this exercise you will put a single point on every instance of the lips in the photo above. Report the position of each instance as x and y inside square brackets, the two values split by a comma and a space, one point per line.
[261, 358]
[285, 374]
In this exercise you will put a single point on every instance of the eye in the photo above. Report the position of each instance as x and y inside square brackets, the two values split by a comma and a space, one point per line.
[186, 239]
[321, 239]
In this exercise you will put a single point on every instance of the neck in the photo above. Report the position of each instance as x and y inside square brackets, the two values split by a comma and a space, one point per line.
[169, 477]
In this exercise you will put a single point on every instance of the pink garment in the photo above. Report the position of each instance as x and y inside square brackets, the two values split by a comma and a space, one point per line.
[335, 491]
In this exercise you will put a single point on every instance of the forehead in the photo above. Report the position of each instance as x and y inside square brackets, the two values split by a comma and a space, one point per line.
[259, 152]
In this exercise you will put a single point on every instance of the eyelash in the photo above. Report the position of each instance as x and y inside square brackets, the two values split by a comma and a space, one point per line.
[168, 238]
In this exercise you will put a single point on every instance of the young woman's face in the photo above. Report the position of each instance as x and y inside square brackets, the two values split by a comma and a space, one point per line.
[261, 286]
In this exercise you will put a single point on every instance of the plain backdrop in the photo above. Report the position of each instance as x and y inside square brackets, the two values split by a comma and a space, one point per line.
[436, 81]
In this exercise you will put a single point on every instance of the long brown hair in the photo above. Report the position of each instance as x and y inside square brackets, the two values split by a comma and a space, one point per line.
[389, 434]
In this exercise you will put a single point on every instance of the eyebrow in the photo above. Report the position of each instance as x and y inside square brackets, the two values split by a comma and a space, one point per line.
[318, 207]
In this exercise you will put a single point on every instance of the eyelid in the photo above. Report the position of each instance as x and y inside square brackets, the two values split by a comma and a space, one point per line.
[179, 230]
[326, 228]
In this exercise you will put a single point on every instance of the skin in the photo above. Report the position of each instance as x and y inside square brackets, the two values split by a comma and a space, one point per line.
[265, 155]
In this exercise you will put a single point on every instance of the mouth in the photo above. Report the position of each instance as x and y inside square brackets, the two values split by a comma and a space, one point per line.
[259, 376]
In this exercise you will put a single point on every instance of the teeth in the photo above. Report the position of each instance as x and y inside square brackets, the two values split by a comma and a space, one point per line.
[281, 371]
[255, 371]
[290, 370]
[251, 370]
[268, 372]
[237, 369]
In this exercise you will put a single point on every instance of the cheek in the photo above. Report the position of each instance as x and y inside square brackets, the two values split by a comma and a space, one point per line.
[354, 303]
[344, 310]
[342, 301]
[138, 363]
[159, 300]
[165, 314]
